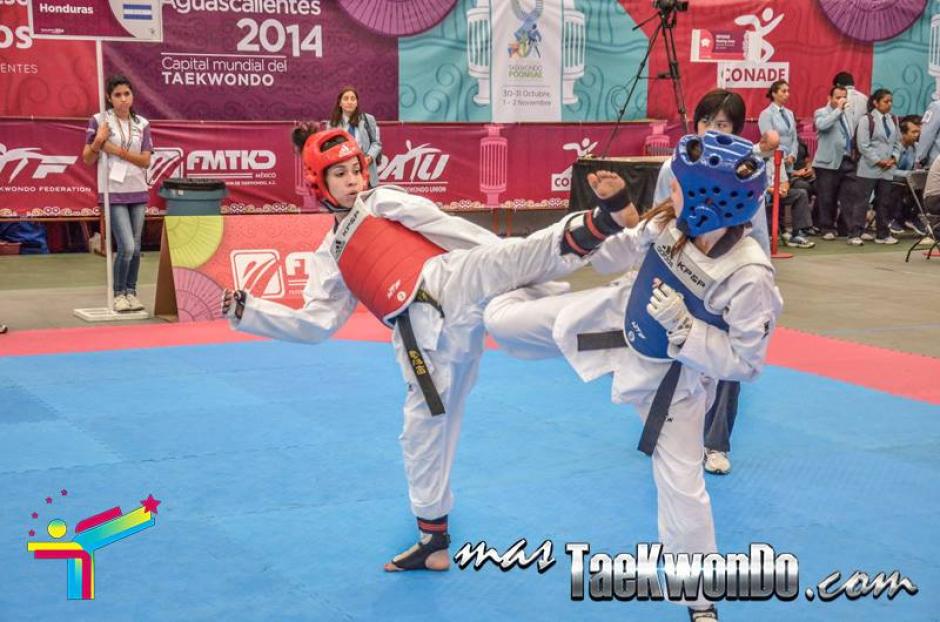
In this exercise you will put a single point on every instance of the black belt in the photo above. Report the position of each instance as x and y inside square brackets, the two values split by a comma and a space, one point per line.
[659, 411]
[415, 356]
[601, 341]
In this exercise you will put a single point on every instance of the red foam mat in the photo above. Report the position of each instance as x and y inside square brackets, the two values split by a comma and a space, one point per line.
[907, 375]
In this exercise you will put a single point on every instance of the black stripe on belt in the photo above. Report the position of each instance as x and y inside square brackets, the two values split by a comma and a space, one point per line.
[601, 341]
[416, 357]
[659, 410]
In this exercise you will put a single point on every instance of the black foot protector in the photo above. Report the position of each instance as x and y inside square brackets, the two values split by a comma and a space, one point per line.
[416, 557]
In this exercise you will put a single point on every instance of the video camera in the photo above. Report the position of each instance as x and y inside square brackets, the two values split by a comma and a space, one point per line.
[668, 6]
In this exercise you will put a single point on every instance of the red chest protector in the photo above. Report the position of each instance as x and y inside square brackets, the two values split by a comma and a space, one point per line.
[381, 261]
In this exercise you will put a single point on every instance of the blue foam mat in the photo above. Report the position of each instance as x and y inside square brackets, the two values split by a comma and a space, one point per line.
[283, 491]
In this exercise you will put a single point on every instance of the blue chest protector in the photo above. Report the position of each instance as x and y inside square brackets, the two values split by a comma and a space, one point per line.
[690, 273]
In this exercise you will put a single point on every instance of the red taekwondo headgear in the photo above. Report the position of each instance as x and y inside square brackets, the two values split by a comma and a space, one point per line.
[321, 151]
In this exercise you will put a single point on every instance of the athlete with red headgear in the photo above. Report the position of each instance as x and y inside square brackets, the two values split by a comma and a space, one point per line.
[428, 276]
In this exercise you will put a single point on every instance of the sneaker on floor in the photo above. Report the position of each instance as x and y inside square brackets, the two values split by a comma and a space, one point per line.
[134, 304]
[829, 236]
[717, 462]
[927, 240]
[887, 240]
[798, 241]
[855, 242]
[895, 228]
[703, 615]
[867, 237]
[121, 305]
[812, 232]
[917, 228]
[786, 236]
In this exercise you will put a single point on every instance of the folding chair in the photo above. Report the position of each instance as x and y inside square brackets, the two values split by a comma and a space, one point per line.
[915, 183]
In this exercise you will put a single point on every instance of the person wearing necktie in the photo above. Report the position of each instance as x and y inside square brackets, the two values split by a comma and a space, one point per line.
[778, 118]
[906, 216]
[833, 163]
[879, 146]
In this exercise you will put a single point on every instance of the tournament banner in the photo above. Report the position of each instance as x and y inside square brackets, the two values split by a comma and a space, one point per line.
[43, 77]
[525, 77]
[258, 60]
[459, 167]
[269, 257]
[137, 20]
[746, 45]
[42, 174]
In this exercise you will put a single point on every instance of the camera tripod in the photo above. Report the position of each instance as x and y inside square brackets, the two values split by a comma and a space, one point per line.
[664, 30]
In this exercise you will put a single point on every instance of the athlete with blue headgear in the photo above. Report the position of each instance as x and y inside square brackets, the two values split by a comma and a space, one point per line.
[700, 309]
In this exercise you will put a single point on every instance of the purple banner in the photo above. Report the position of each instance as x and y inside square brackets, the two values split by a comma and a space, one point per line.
[137, 20]
[258, 60]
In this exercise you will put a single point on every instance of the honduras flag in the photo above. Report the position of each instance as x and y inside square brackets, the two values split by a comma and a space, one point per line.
[138, 11]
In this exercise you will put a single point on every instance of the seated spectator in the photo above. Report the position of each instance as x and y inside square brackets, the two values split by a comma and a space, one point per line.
[932, 190]
[905, 216]
[803, 177]
[796, 199]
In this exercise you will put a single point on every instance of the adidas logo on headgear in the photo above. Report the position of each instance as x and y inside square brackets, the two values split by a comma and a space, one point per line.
[344, 150]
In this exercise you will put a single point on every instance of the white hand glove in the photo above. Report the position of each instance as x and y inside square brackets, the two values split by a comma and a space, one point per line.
[667, 306]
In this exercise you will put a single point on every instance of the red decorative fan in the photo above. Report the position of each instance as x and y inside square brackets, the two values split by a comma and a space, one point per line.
[872, 20]
[398, 17]
[198, 297]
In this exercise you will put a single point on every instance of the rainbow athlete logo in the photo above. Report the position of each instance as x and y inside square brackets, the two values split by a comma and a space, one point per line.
[527, 35]
[91, 534]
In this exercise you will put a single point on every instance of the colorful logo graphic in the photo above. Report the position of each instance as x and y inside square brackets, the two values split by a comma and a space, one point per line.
[527, 35]
[90, 534]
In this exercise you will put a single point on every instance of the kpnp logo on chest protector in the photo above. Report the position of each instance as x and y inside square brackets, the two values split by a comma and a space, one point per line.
[691, 273]
[381, 261]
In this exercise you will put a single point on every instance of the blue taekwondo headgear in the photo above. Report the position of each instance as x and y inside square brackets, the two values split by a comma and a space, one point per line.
[722, 181]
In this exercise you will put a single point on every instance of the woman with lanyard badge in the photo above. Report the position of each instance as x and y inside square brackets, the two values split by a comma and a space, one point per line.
[125, 137]
[361, 126]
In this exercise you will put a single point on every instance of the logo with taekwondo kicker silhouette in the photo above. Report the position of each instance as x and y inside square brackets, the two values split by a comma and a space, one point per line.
[89, 535]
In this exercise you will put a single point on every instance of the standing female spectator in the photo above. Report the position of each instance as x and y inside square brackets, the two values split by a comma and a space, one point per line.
[879, 147]
[777, 117]
[361, 125]
[125, 136]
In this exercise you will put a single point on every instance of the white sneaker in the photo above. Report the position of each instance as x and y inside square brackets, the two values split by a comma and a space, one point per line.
[133, 303]
[703, 615]
[121, 305]
[717, 462]
[829, 236]
[867, 237]
[855, 242]
[888, 240]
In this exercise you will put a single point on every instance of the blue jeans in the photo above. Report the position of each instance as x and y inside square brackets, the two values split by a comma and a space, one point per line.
[127, 225]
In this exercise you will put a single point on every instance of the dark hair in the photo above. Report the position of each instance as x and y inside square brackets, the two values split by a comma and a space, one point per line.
[835, 88]
[113, 82]
[876, 97]
[908, 121]
[843, 78]
[337, 115]
[776, 86]
[721, 100]
[301, 133]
